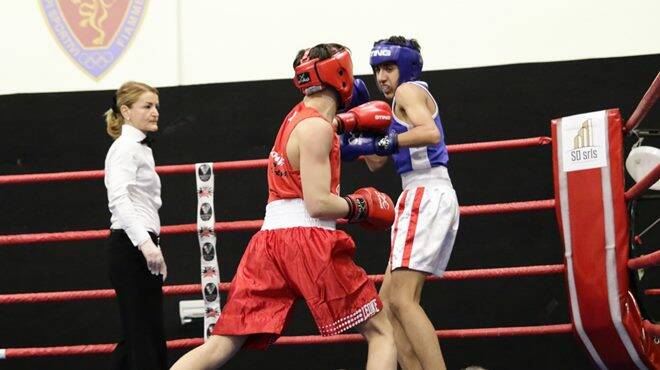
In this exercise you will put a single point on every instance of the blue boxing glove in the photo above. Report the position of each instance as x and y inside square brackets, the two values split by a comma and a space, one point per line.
[353, 145]
[360, 95]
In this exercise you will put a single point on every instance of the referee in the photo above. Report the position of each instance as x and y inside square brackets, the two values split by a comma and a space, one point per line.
[136, 264]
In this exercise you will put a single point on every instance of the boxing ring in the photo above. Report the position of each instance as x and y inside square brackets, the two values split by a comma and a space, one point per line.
[644, 346]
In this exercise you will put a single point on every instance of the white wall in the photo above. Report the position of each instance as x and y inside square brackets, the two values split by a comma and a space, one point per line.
[204, 41]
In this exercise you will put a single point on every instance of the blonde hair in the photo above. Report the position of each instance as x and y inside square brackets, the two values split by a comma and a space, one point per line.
[126, 95]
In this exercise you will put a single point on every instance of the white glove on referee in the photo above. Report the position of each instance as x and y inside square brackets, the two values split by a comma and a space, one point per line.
[154, 256]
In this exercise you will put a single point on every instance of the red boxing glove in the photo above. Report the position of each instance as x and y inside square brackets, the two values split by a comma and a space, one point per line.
[371, 208]
[373, 116]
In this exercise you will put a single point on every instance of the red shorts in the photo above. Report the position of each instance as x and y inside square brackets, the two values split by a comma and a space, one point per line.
[281, 265]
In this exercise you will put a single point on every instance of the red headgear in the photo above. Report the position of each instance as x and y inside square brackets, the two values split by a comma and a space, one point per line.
[313, 75]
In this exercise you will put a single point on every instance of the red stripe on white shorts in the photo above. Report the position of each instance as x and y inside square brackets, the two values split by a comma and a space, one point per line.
[412, 227]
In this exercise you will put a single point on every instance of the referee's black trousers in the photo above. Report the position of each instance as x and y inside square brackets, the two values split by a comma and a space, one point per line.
[140, 299]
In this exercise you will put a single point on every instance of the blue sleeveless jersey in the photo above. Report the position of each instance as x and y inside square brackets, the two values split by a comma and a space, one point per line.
[409, 159]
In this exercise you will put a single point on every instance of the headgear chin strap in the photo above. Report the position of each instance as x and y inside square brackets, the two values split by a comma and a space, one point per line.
[405, 57]
[314, 75]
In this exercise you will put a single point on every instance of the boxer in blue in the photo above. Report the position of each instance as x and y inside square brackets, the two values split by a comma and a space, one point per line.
[427, 214]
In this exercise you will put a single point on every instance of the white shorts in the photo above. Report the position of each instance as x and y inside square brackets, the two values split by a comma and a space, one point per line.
[426, 222]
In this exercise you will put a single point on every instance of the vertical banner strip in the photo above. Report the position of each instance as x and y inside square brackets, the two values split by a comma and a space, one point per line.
[565, 224]
[586, 160]
[210, 272]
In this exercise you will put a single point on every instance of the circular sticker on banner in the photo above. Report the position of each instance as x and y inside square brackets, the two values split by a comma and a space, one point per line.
[209, 330]
[210, 292]
[208, 252]
[204, 172]
[205, 211]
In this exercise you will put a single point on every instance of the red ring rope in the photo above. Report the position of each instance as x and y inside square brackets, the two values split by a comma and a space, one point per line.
[649, 260]
[645, 105]
[644, 184]
[247, 225]
[297, 340]
[196, 288]
[254, 163]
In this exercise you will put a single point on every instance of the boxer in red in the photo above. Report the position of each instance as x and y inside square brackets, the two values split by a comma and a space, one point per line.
[298, 253]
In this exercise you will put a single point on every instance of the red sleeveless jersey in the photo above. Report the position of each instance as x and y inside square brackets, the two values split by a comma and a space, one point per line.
[283, 181]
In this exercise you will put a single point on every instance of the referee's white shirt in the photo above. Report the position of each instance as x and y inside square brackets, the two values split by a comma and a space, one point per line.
[133, 186]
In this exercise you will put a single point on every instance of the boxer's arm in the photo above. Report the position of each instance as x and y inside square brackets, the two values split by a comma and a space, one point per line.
[314, 137]
[375, 162]
[412, 99]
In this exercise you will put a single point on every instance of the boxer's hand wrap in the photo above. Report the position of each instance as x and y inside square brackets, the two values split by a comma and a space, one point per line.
[388, 144]
[374, 116]
[353, 145]
[370, 208]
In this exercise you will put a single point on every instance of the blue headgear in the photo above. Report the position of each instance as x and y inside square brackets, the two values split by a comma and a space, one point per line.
[405, 57]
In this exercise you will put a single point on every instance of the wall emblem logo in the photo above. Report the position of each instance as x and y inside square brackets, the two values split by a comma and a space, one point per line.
[94, 33]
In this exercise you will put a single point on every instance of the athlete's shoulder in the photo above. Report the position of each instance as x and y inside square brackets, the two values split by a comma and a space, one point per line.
[410, 91]
[413, 86]
[314, 128]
